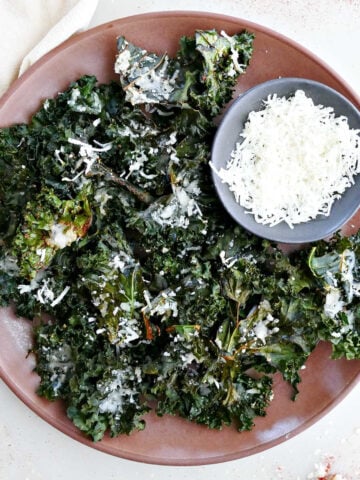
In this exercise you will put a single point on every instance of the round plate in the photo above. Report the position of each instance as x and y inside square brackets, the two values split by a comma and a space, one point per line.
[172, 440]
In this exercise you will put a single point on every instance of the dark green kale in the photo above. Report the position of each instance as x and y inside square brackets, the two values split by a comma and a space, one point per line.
[49, 224]
[18, 179]
[337, 270]
[100, 385]
[111, 228]
[193, 86]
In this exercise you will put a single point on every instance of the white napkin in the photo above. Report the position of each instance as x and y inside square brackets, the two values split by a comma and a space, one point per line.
[31, 28]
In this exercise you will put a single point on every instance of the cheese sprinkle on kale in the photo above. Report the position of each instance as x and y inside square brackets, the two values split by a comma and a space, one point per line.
[110, 227]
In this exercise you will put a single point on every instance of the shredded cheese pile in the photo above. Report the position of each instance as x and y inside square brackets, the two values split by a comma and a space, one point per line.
[295, 160]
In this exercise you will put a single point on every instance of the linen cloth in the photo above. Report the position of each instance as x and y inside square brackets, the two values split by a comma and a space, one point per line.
[31, 28]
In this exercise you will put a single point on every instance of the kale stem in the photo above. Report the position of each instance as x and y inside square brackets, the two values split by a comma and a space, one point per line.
[110, 176]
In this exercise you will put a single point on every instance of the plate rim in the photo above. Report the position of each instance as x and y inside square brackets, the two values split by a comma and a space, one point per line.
[78, 37]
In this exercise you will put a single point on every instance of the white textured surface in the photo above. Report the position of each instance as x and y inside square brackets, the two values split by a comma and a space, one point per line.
[32, 450]
[30, 29]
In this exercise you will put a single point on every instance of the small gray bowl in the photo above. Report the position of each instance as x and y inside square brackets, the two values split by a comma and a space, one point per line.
[227, 136]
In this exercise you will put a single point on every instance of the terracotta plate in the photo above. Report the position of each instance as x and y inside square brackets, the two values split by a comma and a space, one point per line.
[171, 440]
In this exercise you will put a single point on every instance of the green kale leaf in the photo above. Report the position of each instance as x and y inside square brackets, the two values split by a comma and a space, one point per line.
[141, 287]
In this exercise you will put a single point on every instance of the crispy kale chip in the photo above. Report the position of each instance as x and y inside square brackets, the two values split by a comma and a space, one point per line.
[102, 388]
[49, 224]
[192, 86]
[337, 271]
[17, 179]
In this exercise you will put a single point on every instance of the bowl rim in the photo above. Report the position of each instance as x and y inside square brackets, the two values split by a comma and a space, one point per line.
[282, 233]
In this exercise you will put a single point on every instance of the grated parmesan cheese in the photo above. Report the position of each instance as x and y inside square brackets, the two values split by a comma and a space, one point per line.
[60, 237]
[118, 392]
[46, 295]
[295, 160]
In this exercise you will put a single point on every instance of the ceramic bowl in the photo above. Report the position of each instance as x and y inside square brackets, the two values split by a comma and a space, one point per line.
[228, 135]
